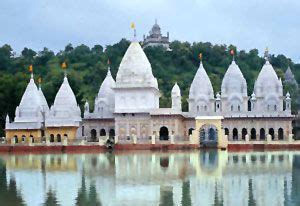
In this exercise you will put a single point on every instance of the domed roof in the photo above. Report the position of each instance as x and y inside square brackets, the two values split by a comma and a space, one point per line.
[65, 96]
[31, 97]
[135, 69]
[176, 90]
[201, 85]
[234, 81]
[65, 111]
[267, 81]
[106, 86]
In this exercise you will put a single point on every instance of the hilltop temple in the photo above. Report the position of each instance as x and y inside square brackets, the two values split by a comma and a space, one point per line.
[127, 109]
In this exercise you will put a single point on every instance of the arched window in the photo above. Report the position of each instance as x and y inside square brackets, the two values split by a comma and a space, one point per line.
[163, 133]
[93, 135]
[262, 134]
[190, 131]
[226, 131]
[235, 134]
[239, 108]
[275, 107]
[253, 134]
[271, 132]
[102, 132]
[198, 109]
[51, 137]
[280, 134]
[244, 133]
[31, 139]
[231, 108]
[58, 137]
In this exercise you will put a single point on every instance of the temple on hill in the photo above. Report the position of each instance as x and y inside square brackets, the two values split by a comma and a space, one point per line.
[127, 110]
[155, 38]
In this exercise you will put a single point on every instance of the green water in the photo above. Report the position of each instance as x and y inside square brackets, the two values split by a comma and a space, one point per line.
[151, 178]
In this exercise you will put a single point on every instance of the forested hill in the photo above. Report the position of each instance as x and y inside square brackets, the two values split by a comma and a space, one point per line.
[87, 67]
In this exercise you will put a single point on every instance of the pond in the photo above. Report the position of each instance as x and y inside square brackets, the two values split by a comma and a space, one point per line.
[151, 178]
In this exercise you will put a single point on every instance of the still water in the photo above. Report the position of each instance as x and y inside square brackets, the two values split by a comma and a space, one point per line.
[151, 178]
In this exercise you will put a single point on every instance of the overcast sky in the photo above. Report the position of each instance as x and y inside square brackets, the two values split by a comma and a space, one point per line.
[245, 23]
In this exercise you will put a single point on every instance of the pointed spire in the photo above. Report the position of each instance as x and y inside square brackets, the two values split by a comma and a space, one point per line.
[7, 118]
[266, 55]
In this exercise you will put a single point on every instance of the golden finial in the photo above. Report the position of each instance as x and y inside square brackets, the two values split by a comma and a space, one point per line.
[30, 68]
[200, 56]
[64, 65]
[134, 31]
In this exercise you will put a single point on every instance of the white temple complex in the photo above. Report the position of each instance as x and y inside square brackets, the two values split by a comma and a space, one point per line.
[127, 110]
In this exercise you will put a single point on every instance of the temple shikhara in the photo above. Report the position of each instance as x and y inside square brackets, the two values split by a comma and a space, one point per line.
[127, 111]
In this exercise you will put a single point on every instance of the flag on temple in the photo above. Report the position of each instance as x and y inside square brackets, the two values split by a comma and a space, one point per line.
[132, 25]
[200, 56]
[64, 65]
[30, 68]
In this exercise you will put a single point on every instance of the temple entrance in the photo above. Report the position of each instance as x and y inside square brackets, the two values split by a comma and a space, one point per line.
[163, 133]
[93, 135]
[208, 136]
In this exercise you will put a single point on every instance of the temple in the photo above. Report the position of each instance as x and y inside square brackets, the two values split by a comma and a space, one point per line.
[127, 111]
[155, 38]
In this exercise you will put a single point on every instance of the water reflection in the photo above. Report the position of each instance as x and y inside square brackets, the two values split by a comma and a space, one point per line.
[152, 178]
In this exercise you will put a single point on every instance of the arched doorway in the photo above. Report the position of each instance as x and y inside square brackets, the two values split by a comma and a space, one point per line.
[58, 137]
[253, 134]
[23, 138]
[208, 136]
[280, 134]
[93, 135]
[244, 133]
[16, 139]
[164, 133]
[235, 134]
[272, 133]
[51, 137]
[102, 132]
[31, 139]
[226, 131]
[262, 134]
[112, 133]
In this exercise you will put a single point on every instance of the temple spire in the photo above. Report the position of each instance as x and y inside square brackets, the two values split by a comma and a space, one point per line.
[266, 54]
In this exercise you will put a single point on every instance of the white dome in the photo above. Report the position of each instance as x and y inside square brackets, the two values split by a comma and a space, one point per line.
[106, 88]
[267, 81]
[233, 81]
[201, 85]
[65, 111]
[31, 99]
[176, 90]
[135, 69]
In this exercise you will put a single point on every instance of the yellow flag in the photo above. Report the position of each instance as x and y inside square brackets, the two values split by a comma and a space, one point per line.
[30, 68]
[64, 65]
[132, 25]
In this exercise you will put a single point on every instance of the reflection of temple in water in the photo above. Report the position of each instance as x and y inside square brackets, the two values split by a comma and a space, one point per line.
[150, 178]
